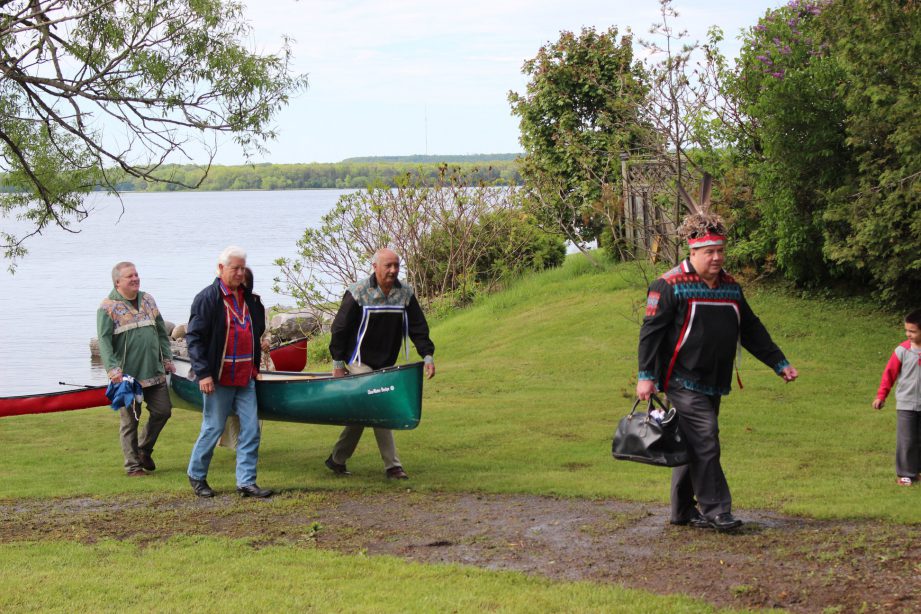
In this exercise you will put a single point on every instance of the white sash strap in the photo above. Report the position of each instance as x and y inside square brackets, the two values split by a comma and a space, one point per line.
[126, 327]
[366, 312]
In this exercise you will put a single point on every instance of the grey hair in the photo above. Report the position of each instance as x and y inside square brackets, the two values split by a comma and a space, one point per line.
[376, 257]
[231, 251]
[117, 270]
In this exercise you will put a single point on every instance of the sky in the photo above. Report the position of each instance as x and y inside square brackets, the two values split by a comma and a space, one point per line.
[406, 77]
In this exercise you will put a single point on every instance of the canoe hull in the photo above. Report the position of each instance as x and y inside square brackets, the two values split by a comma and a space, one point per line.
[67, 400]
[290, 356]
[389, 398]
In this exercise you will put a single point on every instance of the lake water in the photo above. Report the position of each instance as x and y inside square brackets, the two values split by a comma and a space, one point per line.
[48, 307]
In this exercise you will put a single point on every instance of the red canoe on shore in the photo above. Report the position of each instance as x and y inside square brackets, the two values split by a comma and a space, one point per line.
[291, 356]
[66, 400]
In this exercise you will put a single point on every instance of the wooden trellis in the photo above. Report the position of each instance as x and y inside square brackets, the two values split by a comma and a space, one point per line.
[648, 229]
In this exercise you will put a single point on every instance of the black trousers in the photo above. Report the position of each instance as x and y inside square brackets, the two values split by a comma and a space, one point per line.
[701, 482]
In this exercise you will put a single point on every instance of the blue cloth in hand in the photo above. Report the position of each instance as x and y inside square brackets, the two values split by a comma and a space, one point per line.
[125, 393]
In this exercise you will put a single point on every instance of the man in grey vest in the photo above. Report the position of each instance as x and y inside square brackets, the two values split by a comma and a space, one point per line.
[376, 317]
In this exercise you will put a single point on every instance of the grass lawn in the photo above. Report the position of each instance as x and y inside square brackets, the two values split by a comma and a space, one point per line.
[530, 386]
[204, 574]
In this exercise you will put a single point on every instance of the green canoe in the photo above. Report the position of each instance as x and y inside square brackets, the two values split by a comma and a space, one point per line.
[389, 398]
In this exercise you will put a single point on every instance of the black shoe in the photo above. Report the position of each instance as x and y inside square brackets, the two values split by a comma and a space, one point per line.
[201, 488]
[253, 490]
[724, 522]
[694, 520]
[396, 473]
[336, 467]
[146, 462]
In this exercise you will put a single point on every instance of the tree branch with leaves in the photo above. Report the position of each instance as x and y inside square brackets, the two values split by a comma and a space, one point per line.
[94, 90]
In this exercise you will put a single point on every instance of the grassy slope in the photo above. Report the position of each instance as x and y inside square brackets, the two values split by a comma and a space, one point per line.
[530, 385]
[538, 376]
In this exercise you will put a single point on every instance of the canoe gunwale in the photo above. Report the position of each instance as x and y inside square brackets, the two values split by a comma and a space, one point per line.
[56, 393]
[287, 343]
[317, 375]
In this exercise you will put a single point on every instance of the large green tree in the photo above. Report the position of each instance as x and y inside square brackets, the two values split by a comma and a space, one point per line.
[581, 110]
[91, 86]
[833, 142]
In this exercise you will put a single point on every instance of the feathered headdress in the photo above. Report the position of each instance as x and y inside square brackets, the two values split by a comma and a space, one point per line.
[701, 228]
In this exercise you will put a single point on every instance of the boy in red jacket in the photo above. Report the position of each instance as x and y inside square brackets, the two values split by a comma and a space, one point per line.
[904, 371]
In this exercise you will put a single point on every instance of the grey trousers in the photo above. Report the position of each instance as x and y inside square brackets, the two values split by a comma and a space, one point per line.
[160, 408]
[701, 482]
[908, 444]
[350, 436]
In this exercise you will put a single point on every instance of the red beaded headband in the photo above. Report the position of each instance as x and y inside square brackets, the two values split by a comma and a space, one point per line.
[706, 240]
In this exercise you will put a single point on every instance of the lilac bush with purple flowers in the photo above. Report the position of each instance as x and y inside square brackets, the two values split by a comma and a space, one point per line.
[831, 141]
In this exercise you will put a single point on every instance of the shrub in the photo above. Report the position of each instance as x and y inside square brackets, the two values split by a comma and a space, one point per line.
[453, 233]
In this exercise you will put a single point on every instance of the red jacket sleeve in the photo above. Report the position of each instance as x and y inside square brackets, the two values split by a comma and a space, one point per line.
[890, 375]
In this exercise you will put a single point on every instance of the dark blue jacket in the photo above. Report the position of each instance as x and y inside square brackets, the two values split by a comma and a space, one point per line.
[125, 394]
[207, 330]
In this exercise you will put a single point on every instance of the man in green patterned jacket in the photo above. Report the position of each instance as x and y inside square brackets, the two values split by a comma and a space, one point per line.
[133, 341]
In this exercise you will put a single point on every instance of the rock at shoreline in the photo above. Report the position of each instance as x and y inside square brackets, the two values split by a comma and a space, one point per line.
[179, 348]
[178, 332]
[294, 325]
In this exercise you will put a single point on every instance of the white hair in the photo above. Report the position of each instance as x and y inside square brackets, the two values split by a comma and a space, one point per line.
[377, 254]
[229, 252]
[117, 270]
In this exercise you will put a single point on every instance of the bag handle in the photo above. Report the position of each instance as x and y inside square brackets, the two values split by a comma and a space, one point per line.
[653, 399]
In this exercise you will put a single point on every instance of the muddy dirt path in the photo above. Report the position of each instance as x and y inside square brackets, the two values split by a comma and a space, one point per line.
[773, 561]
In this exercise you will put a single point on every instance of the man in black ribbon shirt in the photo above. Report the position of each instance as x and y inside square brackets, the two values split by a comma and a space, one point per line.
[377, 316]
[696, 315]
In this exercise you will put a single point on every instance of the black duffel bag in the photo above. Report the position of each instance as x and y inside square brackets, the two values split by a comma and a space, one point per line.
[644, 439]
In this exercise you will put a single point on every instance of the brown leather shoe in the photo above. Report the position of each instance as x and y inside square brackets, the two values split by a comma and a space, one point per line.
[396, 473]
[146, 462]
[137, 473]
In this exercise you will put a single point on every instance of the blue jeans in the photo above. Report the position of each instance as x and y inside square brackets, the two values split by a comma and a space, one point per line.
[224, 401]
